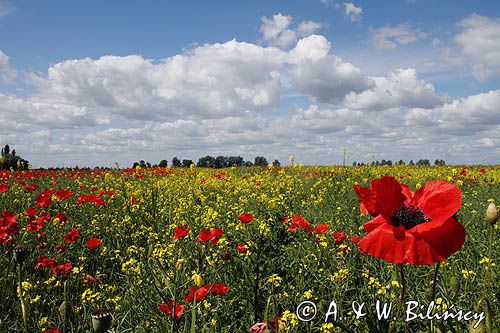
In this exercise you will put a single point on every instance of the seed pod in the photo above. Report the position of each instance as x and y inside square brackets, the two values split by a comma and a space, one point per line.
[492, 213]
[20, 253]
[454, 284]
[101, 320]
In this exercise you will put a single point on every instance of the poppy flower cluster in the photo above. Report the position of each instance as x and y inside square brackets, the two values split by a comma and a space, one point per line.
[417, 228]
[90, 198]
[8, 227]
[172, 309]
[71, 236]
[211, 235]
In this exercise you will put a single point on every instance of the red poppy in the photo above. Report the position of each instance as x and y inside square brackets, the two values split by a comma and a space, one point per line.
[90, 198]
[51, 331]
[44, 261]
[133, 201]
[61, 248]
[321, 229]
[31, 187]
[181, 231]
[93, 243]
[173, 309]
[62, 270]
[339, 237]
[199, 293]
[220, 289]
[8, 227]
[245, 218]
[210, 235]
[242, 248]
[419, 229]
[71, 236]
[30, 212]
[63, 194]
[43, 200]
[299, 222]
[355, 239]
[4, 187]
[61, 217]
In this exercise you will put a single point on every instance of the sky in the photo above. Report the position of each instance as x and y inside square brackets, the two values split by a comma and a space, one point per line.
[91, 83]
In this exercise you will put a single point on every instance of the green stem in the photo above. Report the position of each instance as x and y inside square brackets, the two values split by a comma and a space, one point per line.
[433, 294]
[23, 306]
[402, 283]
[65, 307]
[487, 270]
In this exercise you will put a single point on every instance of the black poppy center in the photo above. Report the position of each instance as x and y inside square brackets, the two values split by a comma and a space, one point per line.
[409, 217]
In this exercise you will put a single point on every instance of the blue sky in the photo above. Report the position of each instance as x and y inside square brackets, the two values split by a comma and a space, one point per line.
[94, 82]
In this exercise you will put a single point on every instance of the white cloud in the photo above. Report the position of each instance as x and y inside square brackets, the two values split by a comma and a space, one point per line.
[479, 42]
[307, 28]
[4, 10]
[275, 30]
[389, 37]
[7, 73]
[354, 13]
[212, 80]
[401, 88]
[462, 117]
[327, 3]
[323, 76]
[225, 98]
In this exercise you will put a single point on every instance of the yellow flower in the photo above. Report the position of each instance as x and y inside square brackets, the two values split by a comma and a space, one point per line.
[197, 279]
[308, 294]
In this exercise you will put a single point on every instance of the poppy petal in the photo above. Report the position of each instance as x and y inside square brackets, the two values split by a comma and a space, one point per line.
[368, 200]
[446, 239]
[374, 223]
[389, 195]
[439, 200]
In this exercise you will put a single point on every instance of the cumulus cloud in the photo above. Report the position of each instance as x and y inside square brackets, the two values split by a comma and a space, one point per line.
[277, 31]
[7, 73]
[352, 12]
[225, 98]
[323, 76]
[401, 88]
[210, 81]
[479, 42]
[389, 37]
[462, 117]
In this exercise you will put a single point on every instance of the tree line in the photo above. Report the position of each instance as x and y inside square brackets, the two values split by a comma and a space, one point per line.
[421, 162]
[211, 162]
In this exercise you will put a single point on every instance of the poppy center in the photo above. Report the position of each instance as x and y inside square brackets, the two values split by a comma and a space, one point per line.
[409, 216]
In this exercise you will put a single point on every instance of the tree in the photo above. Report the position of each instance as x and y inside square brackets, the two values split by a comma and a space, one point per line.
[276, 163]
[187, 163]
[248, 163]
[260, 161]
[176, 162]
[206, 162]
[221, 162]
[164, 163]
[235, 161]
[439, 162]
[9, 160]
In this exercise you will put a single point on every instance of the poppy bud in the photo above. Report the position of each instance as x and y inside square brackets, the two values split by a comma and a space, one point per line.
[454, 284]
[101, 320]
[20, 253]
[65, 308]
[492, 213]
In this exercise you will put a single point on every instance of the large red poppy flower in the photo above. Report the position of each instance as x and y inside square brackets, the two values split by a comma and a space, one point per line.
[411, 227]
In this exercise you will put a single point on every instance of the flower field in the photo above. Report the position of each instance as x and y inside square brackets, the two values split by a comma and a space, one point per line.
[229, 250]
